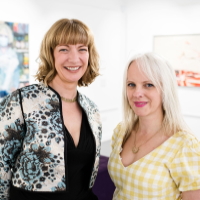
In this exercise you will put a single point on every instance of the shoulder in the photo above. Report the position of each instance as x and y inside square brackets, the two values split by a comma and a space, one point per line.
[187, 138]
[39, 90]
[29, 91]
[118, 128]
[86, 102]
[40, 87]
[10, 100]
[117, 136]
[188, 143]
[30, 87]
[10, 106]
[118, 131]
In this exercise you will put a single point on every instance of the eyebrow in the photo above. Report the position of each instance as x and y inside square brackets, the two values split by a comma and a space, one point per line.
[142, 82]
[67, 45]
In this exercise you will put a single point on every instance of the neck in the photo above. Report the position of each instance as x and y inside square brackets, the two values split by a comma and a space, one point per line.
[147, 126]
[64, 89]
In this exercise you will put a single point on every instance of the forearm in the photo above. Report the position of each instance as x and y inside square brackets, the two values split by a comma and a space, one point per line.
[191, 195]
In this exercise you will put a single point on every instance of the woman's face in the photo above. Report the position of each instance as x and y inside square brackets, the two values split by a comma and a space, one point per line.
[144, 98]
[71, 62]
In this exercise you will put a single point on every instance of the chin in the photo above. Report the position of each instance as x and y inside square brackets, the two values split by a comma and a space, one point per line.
[141, 114]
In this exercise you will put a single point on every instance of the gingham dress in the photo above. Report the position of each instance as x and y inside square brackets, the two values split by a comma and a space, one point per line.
[172, 167]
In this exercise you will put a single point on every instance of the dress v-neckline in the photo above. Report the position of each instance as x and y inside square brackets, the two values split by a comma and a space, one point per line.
[72, 140]
[80, 136]
[145, 156]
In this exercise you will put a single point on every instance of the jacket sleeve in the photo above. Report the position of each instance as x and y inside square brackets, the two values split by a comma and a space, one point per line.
[11, 139]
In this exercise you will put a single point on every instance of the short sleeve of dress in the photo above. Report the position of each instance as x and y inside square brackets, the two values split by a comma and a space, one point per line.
[115, 135]
[185, 167]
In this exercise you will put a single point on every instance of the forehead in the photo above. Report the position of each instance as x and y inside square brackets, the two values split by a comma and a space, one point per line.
[134, 73]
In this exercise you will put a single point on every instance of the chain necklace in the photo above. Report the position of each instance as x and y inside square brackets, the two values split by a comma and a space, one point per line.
[136, 149]
[69, 100]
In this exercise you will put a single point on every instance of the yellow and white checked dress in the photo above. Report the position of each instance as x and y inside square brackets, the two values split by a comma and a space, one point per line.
[172, 167]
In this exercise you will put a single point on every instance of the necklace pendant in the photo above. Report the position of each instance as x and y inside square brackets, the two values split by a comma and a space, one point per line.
[135, 149]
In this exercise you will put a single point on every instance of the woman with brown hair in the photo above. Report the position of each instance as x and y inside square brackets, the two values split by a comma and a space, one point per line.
[50, 133]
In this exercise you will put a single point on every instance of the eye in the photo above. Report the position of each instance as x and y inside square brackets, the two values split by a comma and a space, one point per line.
[63, 50]
[131, 85]
[83, 49]
[149, 85]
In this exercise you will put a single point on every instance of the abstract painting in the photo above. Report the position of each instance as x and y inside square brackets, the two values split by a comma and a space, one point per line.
[14, 56]
[183, 53]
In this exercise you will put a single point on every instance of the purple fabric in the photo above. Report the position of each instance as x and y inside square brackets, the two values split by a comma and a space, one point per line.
[103, 187]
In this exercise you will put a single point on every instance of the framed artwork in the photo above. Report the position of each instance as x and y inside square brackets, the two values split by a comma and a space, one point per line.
[183, 53]
[14, 56]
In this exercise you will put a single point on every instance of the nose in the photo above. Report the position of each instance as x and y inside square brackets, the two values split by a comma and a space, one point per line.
[138, 92]
[73, 56]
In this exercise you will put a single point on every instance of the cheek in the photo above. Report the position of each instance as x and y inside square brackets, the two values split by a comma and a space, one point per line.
[129, 95]
[86, 62]
[56, 60]
[157, 99]
[56, 64]
[86, 59]
[161, 102]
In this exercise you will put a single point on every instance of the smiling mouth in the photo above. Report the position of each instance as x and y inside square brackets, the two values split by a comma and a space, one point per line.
[140, 104]
[72, 68]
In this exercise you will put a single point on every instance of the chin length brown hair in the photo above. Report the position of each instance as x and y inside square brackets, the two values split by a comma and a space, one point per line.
[67, 31]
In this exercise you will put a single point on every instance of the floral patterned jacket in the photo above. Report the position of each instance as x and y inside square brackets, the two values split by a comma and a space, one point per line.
[32, 139]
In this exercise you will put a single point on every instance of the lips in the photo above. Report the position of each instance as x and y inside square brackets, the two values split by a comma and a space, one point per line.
[140, 103]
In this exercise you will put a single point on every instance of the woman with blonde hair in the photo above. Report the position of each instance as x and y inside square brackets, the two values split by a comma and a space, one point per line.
[154, 155]
[50, 133]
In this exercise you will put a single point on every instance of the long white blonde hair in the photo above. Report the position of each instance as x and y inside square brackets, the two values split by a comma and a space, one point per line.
[162, 75]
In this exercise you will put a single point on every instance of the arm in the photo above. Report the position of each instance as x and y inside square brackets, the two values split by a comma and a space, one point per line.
[11, 138]
[191, 195]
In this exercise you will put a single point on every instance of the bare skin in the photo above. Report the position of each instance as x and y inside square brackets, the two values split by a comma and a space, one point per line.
[128, 157]
[191, 195]
[72, 115]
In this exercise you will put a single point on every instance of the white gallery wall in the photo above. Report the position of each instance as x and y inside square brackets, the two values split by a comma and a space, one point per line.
[121, 28]
[104, 18]
[148, 18]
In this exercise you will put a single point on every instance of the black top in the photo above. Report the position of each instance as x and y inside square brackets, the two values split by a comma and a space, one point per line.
[79, 161]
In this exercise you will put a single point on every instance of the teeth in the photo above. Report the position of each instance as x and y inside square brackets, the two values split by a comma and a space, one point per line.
[72, 68]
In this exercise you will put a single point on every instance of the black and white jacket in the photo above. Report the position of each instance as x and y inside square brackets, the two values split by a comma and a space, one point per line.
[32, 140]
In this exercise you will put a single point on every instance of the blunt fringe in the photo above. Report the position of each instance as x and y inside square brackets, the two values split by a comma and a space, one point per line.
[67, 31]
[162, 75]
